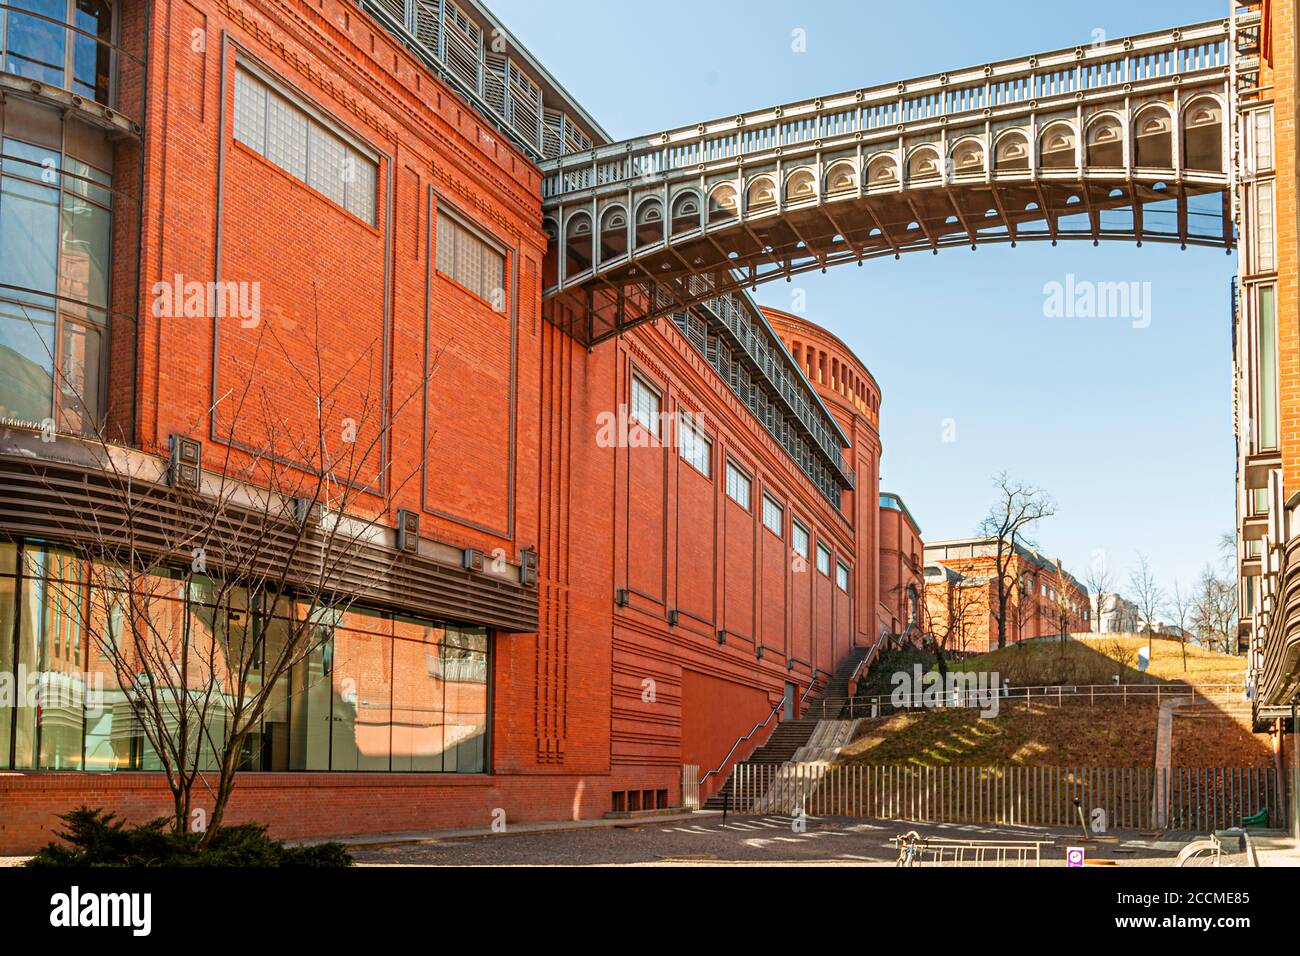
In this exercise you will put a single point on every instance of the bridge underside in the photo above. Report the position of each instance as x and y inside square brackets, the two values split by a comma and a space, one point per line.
[728, 254]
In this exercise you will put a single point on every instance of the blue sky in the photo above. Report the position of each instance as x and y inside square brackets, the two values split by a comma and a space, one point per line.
[1130, 430]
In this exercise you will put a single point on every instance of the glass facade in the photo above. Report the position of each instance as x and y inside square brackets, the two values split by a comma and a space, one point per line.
[56, 203]
[378, 692]
[65, 43]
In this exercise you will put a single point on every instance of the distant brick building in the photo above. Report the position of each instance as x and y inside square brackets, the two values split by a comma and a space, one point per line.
[1044, 599]
[902, 581]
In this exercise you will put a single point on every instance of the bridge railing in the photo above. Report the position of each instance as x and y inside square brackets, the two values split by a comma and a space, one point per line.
[1158, 59]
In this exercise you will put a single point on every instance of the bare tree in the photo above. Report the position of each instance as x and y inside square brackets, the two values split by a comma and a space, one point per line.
[1181, 607]
[948, 617]
[1148, 595]
[207, 606]
[1215, 609]
[1018, 508]
[1101, 582]
[1058, 603]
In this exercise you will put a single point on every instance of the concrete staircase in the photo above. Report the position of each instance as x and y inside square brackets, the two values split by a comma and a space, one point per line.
[791, 736]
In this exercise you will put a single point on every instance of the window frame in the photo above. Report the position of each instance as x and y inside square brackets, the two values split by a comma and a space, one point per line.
[653, 429]
[779, 508]
[842, 569]
[686, 423]
[747, 477]
[314, 115]
[798, 526]
[822, 550]
[443, 207]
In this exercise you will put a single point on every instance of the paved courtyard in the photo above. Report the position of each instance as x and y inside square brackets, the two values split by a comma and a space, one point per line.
[755, 841]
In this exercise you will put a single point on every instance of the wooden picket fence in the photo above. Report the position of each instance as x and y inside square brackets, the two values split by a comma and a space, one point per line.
[1132, 798]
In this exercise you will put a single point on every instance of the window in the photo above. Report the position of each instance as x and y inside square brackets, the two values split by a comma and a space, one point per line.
[645, 406]
[694, 446]
[1266, 343]
[1265, 243]
[841, 577]
[55, 243]
[799, 539]
[738, 486]
[41, 47]
[473, 262]
[773, 516]
[377, 692]
[824, 559]
[277, 128]
[1262, 123]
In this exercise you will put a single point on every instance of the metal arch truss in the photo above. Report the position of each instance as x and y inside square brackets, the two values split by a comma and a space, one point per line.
[1099, 142]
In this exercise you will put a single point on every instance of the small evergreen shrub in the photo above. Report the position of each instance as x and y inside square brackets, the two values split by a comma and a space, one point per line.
[97, 838]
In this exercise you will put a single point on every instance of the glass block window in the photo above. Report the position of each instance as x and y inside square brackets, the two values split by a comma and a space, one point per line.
[738, 486]
[773, 516]
[645, 406]
[280, 130]
[824, 559]
[799, 539]
[695, 447]
[467, 259]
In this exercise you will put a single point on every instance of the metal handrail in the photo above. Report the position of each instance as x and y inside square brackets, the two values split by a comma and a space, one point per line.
[756, 728]
[867, 661]
[967, 698]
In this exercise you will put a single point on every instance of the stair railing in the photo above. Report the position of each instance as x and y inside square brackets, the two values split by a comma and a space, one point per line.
[812, 685]
[867, 661]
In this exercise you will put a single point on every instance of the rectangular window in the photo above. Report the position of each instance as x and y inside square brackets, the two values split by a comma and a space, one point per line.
[773, 516]
[738, 486]
[799, 539]
[1263, 141]
[1266, 338]
[841, 577]
[645, 406]
[1265, 256]
[824, 559]
[279, 129]
[695, 447]
[466, 258]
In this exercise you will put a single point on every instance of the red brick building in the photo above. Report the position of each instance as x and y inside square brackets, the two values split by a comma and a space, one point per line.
[961, 595]
[603, 565]
[902, 582]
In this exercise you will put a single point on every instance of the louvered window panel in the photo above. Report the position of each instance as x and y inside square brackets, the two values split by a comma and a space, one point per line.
[395, 9]
[494, 83]
[553, 134]
[525, 105]
[464, 42]
[427, 26]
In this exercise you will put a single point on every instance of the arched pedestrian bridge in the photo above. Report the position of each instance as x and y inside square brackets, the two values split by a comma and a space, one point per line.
[1128, 139]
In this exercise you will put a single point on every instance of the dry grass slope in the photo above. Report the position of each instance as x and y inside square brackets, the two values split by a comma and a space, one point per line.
[1075, 734]
[1097, 660]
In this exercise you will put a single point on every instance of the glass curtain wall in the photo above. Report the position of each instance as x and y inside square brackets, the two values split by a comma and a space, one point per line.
[378, 693]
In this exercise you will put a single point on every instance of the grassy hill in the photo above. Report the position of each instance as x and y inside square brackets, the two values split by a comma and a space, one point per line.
[1031, 735]
[1075, 734]
[1097, 660]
